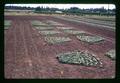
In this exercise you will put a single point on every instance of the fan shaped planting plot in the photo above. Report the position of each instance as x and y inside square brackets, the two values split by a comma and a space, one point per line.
[53, 22]
[65, 28]
[90, 39]
[111, 54]
[56, 40]
[81, 58]
[37, 23]
[44, 28]
[49, 32]
[74, 32]
[7, 24]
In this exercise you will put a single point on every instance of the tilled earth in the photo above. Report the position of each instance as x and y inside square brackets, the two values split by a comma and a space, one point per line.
[27, 55]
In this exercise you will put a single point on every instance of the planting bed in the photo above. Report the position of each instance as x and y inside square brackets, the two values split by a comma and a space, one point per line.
[74, 32]
[90, 39]
[111, 54]
[37, 23]
[7, 24]
[78, 57]
[49, 32]
[56, 40]
[44, 28]
[53, 22]
[65, 28]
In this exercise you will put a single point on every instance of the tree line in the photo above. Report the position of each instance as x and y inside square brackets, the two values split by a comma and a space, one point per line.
[72, 10]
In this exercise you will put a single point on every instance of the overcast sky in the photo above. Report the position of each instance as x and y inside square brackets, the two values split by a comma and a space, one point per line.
[64, 6]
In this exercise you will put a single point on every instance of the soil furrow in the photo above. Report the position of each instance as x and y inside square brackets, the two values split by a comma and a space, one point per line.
[33, 52]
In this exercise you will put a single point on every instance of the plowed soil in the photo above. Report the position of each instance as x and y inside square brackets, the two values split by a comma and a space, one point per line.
[27, 55]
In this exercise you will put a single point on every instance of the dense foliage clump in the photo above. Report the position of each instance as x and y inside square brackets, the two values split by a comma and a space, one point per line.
[79, 57]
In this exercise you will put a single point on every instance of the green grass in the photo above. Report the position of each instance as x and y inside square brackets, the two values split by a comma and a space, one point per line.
[90, 39]
[111, 54]
[80, 58]
[57, 40]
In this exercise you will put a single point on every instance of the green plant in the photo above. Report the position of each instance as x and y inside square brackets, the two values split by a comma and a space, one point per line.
[79, 57]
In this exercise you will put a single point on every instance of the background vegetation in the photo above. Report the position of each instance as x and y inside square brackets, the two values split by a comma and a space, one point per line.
[72, 10]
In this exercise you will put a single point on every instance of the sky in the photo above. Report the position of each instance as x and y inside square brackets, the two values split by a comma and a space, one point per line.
[66, 6]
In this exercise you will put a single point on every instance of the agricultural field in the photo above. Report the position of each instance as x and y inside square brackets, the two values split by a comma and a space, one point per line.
[42, 46]
[104, 21]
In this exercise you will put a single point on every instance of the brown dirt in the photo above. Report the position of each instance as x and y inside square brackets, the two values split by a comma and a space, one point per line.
[27, 55]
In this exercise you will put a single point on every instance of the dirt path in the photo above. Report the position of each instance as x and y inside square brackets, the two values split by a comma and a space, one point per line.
[27, 55]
